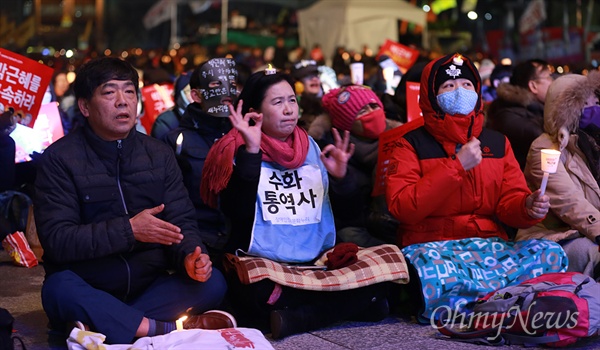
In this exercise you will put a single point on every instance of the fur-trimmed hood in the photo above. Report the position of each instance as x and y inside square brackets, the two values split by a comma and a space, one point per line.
[565, 100]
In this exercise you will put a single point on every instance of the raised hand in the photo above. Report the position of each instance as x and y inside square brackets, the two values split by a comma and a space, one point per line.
[470, 154]
[198, 266]
[251, 133]
[148, 228]
[335, 156]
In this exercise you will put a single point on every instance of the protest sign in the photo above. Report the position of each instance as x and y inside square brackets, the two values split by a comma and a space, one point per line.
[404, 56]
[23, 83]
[413, 111]
[156, 99]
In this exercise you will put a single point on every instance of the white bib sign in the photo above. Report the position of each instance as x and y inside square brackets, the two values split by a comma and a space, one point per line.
[291, 197]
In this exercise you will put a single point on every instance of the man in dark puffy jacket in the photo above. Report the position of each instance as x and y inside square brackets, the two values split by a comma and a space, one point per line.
[518, 111]
[122, 251]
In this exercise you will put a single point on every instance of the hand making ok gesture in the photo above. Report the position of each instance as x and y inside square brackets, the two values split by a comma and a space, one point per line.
[250, 133]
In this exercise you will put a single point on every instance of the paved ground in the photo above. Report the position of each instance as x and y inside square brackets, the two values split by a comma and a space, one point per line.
[20, 294]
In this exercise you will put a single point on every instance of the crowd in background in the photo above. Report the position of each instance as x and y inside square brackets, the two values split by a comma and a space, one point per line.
[516, 100]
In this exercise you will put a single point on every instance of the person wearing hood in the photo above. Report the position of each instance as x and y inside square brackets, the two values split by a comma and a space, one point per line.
[454, 168]
[571, 126]
[518, 110]
[169, 119]
[205, 120]
[452, 182]
[359, 217]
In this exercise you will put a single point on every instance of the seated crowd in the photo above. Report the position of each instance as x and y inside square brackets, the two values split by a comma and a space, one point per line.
[273, 166]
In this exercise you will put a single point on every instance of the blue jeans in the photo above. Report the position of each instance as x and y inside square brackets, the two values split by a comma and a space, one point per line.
[66, 297]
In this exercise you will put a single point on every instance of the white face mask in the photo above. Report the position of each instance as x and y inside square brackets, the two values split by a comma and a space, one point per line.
[459, 101]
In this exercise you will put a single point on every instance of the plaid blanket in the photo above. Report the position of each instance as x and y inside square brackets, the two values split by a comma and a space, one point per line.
[375, 264]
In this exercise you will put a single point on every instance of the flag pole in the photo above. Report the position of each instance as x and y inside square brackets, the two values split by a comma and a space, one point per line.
[224, 15]
[174, 38]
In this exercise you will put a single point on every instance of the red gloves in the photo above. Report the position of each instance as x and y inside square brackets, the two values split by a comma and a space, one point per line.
[342, 255]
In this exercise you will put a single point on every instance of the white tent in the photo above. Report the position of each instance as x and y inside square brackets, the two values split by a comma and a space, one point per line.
[355, 23]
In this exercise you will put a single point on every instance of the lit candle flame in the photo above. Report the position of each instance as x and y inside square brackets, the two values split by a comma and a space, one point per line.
[179, 323]
[270, 70]
[457, 60]
[179, 143]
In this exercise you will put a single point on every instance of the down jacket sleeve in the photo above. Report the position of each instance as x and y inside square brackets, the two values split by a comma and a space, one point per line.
[511, 208]
[412, 195]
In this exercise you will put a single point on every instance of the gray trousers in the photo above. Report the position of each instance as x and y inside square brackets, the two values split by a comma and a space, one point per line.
[583, 255]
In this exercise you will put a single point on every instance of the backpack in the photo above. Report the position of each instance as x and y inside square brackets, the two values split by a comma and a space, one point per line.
[554, 309]
[14, 210]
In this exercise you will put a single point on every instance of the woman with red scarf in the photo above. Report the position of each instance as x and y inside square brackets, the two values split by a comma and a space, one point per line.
[272, 181]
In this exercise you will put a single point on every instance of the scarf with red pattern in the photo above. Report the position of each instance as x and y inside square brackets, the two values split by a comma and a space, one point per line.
[218, 166]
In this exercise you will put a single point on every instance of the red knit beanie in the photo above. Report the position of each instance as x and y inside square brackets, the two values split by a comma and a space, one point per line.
[343, 104]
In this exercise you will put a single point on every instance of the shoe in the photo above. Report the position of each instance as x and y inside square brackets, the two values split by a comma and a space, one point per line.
[286, 322]
[213, 319]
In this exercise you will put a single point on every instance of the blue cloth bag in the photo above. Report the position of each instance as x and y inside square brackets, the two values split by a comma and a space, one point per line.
[456, 272]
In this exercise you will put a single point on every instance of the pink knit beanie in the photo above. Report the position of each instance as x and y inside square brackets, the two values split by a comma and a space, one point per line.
[343, 104]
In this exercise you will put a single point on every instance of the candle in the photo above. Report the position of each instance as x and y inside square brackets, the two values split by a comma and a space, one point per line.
[544, 183]
[179, 143]
[457, 60]
[549, 165]
[179, 323]
[270, 70]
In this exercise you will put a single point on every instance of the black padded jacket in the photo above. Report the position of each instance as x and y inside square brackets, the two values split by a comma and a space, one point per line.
[86, 191]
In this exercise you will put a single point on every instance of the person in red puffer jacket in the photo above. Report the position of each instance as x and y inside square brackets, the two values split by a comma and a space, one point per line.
[452, 178]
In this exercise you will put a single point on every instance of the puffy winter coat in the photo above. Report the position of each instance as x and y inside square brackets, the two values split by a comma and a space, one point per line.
[429, 191]
[573, 190]
[519, 115]
[200, 131]
[86, 191]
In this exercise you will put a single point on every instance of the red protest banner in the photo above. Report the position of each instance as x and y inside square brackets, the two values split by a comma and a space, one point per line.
[156, 99]
[404, 56]
[413, 111]
[23, 83]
